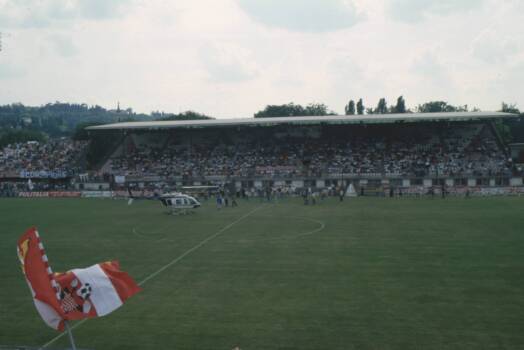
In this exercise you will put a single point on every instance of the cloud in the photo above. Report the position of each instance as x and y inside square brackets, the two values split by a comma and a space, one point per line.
[9, 70]
[213, 54]
[303, 15]
[508, 84]
[418, 10]
[43, 13]
[63, 45]
[101, 9]
[433, 75]
[428, 64]
[342, 71]
[501, 41]
[493, 49]
[228, 63]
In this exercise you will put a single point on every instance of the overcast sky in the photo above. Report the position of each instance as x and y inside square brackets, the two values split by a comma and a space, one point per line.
[230, 58]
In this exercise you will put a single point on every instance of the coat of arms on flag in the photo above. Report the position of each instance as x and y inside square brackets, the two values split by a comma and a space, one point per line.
[73, 295]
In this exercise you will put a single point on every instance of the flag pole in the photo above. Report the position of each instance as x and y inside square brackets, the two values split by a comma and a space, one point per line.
[70, 334]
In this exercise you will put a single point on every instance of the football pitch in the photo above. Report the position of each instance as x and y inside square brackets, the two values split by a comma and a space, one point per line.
[368, 273]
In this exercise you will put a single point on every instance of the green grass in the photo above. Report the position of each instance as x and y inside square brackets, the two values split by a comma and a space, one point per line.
[381, 274]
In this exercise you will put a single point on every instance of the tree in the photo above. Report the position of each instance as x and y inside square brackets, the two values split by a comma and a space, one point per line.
[370, 110]
[350, 108]
[187, 115]
[400, 107]
[19, 136]
[59, 119]
[440, 106]
[316, 109]
[382, 107]
[509, 108]
[360, 107]
[286, 110]
[293, 110]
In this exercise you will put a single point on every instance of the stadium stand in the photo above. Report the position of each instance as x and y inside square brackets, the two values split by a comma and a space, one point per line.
[413, 150]
[57, 158]
[378, 155]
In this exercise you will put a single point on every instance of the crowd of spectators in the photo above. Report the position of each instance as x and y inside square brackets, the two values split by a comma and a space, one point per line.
[453, 150]
[466, 151]
[245, 159]
[52, 158]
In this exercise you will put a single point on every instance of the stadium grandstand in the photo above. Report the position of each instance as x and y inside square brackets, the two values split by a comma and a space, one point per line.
[413, 152]
[394, 150]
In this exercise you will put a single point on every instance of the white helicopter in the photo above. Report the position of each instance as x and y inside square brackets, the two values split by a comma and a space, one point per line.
[176, 202]
[179, 203]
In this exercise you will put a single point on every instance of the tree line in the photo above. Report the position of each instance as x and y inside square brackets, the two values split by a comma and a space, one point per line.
[20, 123]
[293, 110]
[357, 108]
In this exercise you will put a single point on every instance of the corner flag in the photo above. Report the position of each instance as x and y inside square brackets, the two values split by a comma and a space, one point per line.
[73, 295]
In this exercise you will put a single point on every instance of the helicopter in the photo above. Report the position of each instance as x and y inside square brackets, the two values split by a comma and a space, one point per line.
[179, 203]
[176, 202]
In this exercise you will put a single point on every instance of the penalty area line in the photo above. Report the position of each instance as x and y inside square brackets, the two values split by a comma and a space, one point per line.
[168, 265]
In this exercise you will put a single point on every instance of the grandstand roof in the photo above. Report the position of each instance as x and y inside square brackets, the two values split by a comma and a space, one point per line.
[309, 120]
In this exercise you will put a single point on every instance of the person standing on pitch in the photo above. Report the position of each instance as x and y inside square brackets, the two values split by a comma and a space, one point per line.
[219, 201]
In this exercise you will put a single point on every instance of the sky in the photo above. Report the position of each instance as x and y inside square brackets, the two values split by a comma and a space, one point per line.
[231, 58]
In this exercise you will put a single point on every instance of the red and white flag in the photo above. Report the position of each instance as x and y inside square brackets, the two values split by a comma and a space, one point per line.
[73, 295]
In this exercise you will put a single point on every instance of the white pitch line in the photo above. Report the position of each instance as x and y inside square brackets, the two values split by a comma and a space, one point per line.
[174, 261]
[143, 235]
[320, 228]
[168, 265]
[62, 334]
